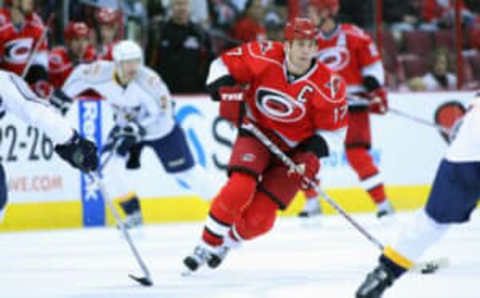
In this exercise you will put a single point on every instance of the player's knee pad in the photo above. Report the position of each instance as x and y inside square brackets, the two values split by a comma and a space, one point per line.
[361, 161]
[279, 186]
[249, 156]
[455, 192]
[258, 218]
[233, 198]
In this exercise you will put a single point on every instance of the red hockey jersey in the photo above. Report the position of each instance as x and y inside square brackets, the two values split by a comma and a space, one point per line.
[16, 45]
[60, 66]
[107, 52]
[296, 110]
[352, 53]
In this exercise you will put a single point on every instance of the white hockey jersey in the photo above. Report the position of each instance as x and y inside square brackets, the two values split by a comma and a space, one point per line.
[466, 146]
[17, 98]
[145, 100]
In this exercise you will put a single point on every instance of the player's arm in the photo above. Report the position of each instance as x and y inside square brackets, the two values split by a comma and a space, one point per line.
[81, 79]
[18, 99]
[37, 74]
[373, 74]
[226, 79]
[160, 104]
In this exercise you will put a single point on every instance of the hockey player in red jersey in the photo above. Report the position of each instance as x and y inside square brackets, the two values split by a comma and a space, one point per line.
[348, 50]
[295, 100]
[22, 31]
[63, 59]
[109, 23]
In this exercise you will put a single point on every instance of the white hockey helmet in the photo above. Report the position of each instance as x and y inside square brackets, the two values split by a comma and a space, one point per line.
[126, 50]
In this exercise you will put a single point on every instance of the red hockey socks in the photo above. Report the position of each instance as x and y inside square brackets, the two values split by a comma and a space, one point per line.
[370, 179]
[234, 197]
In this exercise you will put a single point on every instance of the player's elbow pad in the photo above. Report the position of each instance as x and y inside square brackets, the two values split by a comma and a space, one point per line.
[315, 144]
[213, 87]
[36, 73]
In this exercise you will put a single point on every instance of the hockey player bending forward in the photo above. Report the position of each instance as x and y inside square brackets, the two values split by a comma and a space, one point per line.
[17, 98]
[454, 195]
[299, 103]
[143, 116]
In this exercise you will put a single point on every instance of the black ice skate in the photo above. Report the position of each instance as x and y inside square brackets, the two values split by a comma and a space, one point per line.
[376, 283]
[202, 254]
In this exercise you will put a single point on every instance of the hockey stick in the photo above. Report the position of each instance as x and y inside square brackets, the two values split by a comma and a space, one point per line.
[428, 267]
[419, 120]
[37, 46]
[146, 280]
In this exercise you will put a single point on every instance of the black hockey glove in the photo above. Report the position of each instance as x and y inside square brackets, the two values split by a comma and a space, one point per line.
[80, 153]
[127, 137]
[61, 101]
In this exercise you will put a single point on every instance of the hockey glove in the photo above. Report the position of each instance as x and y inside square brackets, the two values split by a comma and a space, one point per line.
[80, 153]
[232, 104]
[61, 101]
[378, 101]
[309, 164]
[127, 137]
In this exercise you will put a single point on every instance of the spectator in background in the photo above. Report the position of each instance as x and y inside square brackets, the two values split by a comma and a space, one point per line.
[108, 20]
[441, 14]
[22, 31]
[401, 15]
[78, 49]
[180, 50]
[274, 24]
[439, 78]
[249, 27]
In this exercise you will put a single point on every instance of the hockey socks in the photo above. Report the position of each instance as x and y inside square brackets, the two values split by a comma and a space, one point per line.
[234, 197]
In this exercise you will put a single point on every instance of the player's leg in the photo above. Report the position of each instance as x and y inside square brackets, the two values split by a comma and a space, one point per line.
[176, 157]
[276, 191]
[3, 193]
[357, 143]
[248, 160]
[118, 186]
[454, 196]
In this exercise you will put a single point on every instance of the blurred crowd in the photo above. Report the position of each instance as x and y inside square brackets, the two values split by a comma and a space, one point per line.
[181, 37]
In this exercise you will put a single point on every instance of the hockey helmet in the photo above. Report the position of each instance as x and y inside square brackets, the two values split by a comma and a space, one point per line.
[300, 28]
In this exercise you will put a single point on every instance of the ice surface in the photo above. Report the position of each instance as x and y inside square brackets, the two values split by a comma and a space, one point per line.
[299, 259]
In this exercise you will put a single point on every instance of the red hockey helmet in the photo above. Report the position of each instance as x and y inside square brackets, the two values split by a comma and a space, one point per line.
[333, 5]
[107, 16]
[75, 30]
[300, 28]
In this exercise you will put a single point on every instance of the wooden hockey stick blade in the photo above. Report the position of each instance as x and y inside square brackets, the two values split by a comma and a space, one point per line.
[430, 267]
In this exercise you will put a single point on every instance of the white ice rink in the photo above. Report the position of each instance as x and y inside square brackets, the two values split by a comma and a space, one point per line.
[321, 259]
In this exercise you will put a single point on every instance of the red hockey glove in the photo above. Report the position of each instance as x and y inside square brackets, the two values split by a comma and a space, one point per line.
[310, 166]
[379, 102]
[231, 104]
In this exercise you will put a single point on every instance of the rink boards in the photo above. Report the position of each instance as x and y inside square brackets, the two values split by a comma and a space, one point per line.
[46, 193]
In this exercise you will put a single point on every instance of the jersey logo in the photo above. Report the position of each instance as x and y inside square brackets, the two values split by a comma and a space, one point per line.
[279, 106]
[265, 46]
[18, 50]
[337, 58]
[334, 85]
